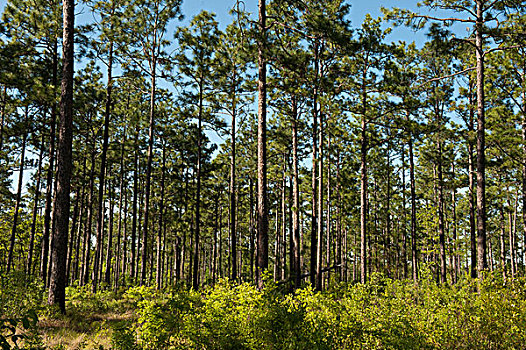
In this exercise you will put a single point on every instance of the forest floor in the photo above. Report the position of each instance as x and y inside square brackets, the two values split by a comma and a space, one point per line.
[382, 314]
[82, 330]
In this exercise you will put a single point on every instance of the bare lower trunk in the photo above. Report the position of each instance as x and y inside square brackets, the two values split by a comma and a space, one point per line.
[57, 285]
[29, 265]
[262, 229]
[413, 212]
[17, 203]
[481, 160]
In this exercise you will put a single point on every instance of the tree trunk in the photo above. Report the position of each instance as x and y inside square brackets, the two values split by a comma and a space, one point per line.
[313, 236]
[502, 244]
[158, 269]
[29, 265]
[251, 228]
[471, 192]
[414, 256]
[262, 229]
[57, 285]
[363, 202]
[482, 263]
[233, 185]
[122, 193]
[441, 230]
[102, 173]
[50, 171]
[456, 261]
[2, 115]
[319, 247]
[404, 218]
[151, 136]
[133, 238]
[18, 199]
[195, 274]
[72, 235]
[109, 251]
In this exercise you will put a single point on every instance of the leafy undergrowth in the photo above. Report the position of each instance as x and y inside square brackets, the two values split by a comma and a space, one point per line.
[383, 314]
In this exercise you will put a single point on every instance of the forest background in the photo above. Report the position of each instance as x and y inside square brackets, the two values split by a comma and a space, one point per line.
[312, 145]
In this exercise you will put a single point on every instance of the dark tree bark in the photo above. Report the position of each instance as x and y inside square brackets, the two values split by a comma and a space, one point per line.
[109, 250]
[502, 244]
[363, 200]
[482, 263]
[50, 178]
[313, 236]
[133, 237]
[295, 194]
[471, 191]
[319, 238]
[102, 173]
[29, 265]
[262, 229]
[18, 199]
[195, 272]
[414, 252]
[151, 135]
[161, 222]
[454, 253]
[121, 249]
[2, 115]
[57, 285]
[232, 192]
[86, 244]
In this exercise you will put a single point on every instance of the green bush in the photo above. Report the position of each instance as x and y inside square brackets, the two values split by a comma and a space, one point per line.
[383, 314]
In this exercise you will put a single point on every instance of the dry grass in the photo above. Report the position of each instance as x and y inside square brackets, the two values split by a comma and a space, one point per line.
[81, 331]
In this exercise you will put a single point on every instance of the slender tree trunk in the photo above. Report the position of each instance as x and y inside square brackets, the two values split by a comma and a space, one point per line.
[456, 261]
[50, 178]
[387, 242]
[214, 248]
[339, 239]
[122, 192]
[29, 265]
[262, 228]
[319, 247]
[57, 285]
[313, 236]
[18, 199]
[72, 235]
[133, 238]
[482, 263]
[151, 135]
[471, 192]
[161, 223]
[413, 211]
[502, 244]
[329, 244]
[86, 244]
[195, 274]
[441, 230]
[404, 218]
[78, 251]
[232, 192]
[251, 227]
[100, 202]
[363, 201]
[109, 251]
[2, 115]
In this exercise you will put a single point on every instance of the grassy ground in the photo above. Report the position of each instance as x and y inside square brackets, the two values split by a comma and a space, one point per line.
[82, 330]
[383, 314]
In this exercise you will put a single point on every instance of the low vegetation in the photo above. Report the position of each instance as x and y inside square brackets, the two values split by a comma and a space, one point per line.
[382, 314]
